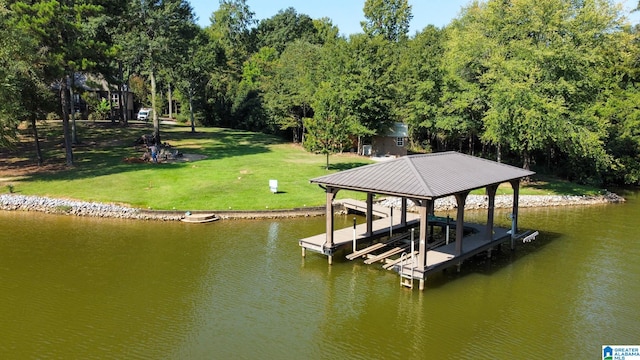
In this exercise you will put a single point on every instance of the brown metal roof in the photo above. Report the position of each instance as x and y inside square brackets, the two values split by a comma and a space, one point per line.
[424, 176]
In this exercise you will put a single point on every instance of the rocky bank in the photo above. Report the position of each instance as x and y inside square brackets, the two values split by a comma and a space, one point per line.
[81, 208]
[506, 201]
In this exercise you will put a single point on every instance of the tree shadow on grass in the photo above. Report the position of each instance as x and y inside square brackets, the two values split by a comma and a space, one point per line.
[346, 165]
[104, 147]
[558, 186]
[222, 143]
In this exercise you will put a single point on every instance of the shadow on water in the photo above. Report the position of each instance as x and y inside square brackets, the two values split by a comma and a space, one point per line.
[501, 258]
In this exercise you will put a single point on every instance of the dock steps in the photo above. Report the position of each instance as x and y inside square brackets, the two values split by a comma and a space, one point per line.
[528, 236]
[406, 280]
[199, 218]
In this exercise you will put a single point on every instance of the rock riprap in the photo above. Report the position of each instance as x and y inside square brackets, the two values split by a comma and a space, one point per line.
[506, 201]
[78, 208]
[95, 209]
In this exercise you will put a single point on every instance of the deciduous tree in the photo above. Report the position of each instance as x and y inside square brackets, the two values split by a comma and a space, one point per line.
[67, 36]
[387, 18]
[328, 128]
[293, 86]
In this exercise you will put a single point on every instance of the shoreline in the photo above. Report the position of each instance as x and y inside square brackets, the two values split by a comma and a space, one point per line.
[16, 202]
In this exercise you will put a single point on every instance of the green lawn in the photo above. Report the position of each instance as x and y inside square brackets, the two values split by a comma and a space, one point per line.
[234, 175]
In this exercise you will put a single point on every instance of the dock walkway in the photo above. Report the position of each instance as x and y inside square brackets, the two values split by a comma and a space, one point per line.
[344, 236]
[445, 256]
[361, 206]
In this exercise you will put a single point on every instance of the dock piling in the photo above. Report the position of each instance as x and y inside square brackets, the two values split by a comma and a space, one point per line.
[354, 234]
[391, 222]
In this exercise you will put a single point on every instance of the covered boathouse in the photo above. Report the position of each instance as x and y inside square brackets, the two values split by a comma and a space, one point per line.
[422, 179]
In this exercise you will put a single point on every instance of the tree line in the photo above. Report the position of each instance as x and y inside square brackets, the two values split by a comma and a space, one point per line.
[546, 84]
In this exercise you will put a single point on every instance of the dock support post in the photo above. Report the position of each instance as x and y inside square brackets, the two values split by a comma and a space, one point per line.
[391, 222]
[515, 184]
[421, 286]
[448, 228]
[403, 212]
[354, 234]
[422, 241]
[330, 258]
[331, 195]
[369, 214]
[491, 193]
[413, 247]
[304, 253]
[461, 198]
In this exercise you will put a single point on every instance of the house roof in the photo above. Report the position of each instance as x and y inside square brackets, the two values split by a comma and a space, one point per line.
[427, 176]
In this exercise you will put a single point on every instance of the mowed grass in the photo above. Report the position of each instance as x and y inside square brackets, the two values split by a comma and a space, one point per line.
[545, 185]
[234, 175]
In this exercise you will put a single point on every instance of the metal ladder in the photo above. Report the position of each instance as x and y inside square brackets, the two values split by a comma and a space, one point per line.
[406, 280]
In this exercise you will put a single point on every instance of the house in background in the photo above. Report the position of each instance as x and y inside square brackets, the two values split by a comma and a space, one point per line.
[392, 143]
[97, 87]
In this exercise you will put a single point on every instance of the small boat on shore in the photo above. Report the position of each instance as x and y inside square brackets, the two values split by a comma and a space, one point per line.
[199, 218]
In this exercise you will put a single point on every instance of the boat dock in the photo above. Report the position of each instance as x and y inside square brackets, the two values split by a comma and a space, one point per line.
[395, 251]
[422, 179]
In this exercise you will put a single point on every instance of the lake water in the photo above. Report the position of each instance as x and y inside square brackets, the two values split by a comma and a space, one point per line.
[84, 288]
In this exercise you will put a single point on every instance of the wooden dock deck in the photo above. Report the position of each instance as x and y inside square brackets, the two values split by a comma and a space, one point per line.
[344, 236]
[361, 207]
[445, 256]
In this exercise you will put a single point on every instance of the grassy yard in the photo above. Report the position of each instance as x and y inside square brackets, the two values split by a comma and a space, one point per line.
[234, 174]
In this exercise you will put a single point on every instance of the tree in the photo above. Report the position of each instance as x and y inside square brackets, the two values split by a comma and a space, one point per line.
[65, 35]
[160, 34]
[249, 108]
[328, 129]
[420, 85]
[525, 76]
[11, 107]
[369, 84]
[619, 107]
[231, 29]
[387, 18]
[463, 101]
[201, 58]
[291, 91]
[284, 28]
[326, 31]
[25, 96]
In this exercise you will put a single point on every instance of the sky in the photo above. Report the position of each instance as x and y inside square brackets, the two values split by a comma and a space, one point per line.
[347, 14]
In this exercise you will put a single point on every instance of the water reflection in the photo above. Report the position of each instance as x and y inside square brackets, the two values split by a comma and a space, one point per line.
[94, 288]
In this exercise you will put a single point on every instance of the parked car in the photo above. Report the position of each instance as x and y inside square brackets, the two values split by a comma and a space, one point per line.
[144, 114]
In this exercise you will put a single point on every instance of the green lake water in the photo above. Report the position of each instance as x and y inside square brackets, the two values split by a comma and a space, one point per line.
[85, 288]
